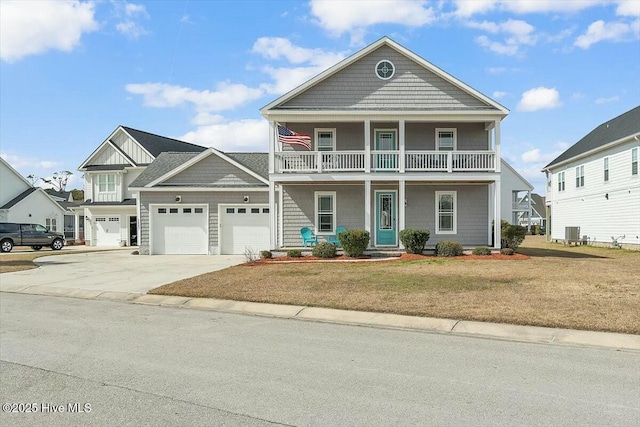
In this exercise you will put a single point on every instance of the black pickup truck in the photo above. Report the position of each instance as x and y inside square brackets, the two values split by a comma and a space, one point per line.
[34, 235]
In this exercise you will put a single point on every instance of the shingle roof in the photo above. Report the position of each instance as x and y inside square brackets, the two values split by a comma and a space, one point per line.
[257, 162]
[11, 203]
[163, 164]
[156, 144]
[125, 202]
[107, 167]
[624, 125]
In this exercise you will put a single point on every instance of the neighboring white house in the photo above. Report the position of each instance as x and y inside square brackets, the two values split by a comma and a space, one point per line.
[595, 185]
[22, 202]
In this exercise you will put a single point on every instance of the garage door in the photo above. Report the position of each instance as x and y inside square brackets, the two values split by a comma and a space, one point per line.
[244, 226]
[107, 230]
[179, 230]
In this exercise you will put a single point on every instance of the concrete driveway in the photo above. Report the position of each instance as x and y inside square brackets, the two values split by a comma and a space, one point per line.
[114, 271]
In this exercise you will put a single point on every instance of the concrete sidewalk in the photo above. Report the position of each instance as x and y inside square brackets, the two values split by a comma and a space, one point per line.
[533, 334]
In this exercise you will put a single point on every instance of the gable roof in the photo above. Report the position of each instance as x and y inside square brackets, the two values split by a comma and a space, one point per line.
[491, 105]
[516, 174]
[257, 162]
[20, 197]
[623, 126]
[15, 172]
[151, 143]
[163, 164]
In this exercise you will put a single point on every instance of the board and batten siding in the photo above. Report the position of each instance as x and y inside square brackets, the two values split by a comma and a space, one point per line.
[412, 87]
[132, 148]
[600, 218]
[210, 198]
[213, 170]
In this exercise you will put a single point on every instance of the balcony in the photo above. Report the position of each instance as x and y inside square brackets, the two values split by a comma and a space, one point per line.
[384, 161]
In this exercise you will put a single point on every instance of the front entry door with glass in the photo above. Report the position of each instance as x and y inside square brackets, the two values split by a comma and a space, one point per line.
[386, 213]
[386, 141]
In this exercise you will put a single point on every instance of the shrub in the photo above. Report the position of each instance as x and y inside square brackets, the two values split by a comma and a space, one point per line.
[482, 250]
[324, 250]
[536, 229]
[294, 253]
[250, 255]
[354, 242]
[511, 235]
[506, 251]
[266, 254]
[414, 240]
[448, 248]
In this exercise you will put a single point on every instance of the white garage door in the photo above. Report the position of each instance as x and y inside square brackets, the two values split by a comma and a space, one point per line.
[244, 226]
[178, 229]
[107, 230]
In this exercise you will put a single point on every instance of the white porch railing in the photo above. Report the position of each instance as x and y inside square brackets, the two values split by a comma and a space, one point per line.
[383, 160]
[520, 206]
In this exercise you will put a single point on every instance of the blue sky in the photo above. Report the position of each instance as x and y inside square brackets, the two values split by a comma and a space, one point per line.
[71, 72]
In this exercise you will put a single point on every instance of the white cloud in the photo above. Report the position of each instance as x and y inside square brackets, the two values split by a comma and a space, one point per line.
[499, 94]
[540, 98]
[610, 31]
[497, 47]
[466, 8]
[226, 96]
[278, 48]
[285, 79]
[607, 100]
[27, 163]
[129, 25]
[577, 96]
[628, 8]
[241, 135]
[537, 156]
[28, 28]
[516, 33]
[353, 16]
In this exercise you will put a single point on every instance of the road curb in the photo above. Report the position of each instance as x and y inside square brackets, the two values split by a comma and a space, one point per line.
[534, 334]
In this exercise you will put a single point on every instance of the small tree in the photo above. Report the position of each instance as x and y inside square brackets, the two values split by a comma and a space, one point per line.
[59, 180]
[354, 242]
[413, 240]
[511, 236]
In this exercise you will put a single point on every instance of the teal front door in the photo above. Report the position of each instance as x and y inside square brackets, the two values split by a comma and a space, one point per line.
[386, 212]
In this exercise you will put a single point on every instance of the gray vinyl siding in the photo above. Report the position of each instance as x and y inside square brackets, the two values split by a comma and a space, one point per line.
[412, 87]
[299, 205]
[472, 212]
[212, 199]
[213, 170]
[420, 212]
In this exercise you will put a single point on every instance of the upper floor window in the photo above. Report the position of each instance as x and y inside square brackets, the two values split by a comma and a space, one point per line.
[634, 161]
[580, 176]
[325, 139]
[446, 139]
[325, 212]
[606, 169]
[106, 183]
[446, 212]
[561, 181]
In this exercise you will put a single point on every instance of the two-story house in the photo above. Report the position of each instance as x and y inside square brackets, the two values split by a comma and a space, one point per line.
[395, 142]
[595, 185]
[109, 211]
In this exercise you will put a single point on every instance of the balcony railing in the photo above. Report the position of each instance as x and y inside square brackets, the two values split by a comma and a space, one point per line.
[384, 161]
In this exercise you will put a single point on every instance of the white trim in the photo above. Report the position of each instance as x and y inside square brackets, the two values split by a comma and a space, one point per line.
[395, 221]
[272, 215]
[198, 158]
[333, 195]
[515, 172]
[402, 197]
[333, 138]
[128, 223]
[362, 53]
[455, 212]
[106, 142]
[192, 189]
[121, 153]
[452, 177]
[455, 138]
[367, 207]
[153, 206]
[280, 218]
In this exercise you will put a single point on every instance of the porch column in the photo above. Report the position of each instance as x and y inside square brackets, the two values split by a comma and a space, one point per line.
[367, 146]
[529, 209]
[367, 207]
[490, 216]
[496, 213]
[497, 148]
[272, 146]
[401, 208]
[280, 216]
[401, 145]
[272, 215]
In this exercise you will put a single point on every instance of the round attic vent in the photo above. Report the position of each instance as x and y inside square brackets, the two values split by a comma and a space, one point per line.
[385, 69]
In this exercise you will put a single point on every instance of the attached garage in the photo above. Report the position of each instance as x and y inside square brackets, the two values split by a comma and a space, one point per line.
[179, 229]
[242, 227]
[107, 230]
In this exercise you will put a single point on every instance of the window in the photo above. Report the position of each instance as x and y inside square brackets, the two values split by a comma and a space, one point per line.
[186, 210]
[634, 161]
[446, 212]
[162, 210]
[561, 181]
[173, 210]
[325, 212]
[255, 210]
[580, 176]
[51, 224]
[606, 169]
[106, 183]
[325, 139]
[198, 210]
[242, 210]
[446, 139]
[265, 210]
[385, 69]
[231, 210]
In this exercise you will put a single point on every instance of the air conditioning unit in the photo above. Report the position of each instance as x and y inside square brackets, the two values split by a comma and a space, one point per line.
[572, 234]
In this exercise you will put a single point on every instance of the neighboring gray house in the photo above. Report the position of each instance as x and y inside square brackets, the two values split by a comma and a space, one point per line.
[595, 185]
[396, 143]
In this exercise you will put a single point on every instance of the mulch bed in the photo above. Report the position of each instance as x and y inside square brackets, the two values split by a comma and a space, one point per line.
[403, 257]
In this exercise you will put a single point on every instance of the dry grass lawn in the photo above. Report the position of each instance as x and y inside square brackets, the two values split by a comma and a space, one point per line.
[568, 287]
[18, 261]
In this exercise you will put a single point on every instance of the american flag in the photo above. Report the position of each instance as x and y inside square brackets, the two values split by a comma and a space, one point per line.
[287, 136]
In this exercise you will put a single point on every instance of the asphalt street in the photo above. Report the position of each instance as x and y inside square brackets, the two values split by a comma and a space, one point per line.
[132, 364]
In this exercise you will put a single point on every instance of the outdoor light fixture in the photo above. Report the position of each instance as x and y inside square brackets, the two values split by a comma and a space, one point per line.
[606, 196]
[246, 199]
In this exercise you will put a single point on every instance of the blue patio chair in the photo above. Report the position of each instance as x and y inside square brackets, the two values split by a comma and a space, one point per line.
[308, 237]
[334, 238]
